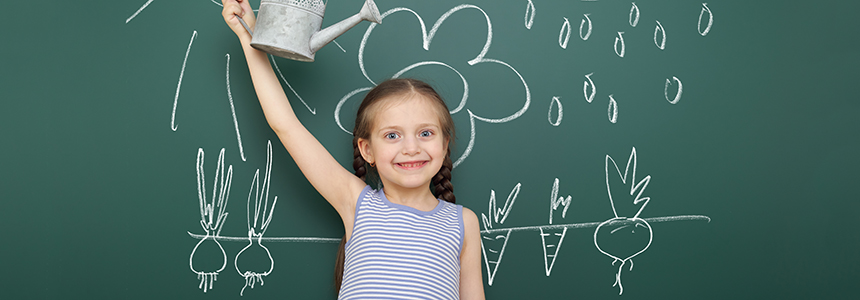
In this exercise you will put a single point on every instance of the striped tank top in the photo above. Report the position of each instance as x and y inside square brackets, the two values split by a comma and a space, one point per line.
[398, 252]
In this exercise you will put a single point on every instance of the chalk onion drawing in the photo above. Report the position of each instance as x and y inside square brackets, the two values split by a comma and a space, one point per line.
[233, 110]
[621, 39]
[551, 239]
[564, 34]
[680, 90]
[555, 103]
[633, 19]
[495, 243]
[427, 38]
[530, 14]
[585, 85]
[662, 43]
[612, 111]
[620, 225]
[281, 75]
[585, 19]
[138, 11]
[710, 20]
[173, 125]
[212, 216]
[261, 220]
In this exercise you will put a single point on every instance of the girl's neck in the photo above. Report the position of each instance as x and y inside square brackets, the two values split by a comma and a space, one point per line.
[418, 198]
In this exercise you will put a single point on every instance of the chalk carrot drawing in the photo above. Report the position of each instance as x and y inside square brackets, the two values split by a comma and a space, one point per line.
[662, 43]
[677, 95]
[564, 34]
[530, 14]
[633, 19]
[493, 244]
[551, 238]
[585, 85]
[707, 29]
[212, 217]
[620, 38]
[624, 237]
[585, 20]
[258, 224]
[173, 125]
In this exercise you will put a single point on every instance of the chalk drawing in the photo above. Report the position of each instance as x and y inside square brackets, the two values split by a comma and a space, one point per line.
[233, 110]
[138, 11]
[633, 19]
[495, 243]
[212, 216]
[555, 103]
[281, 75]
[680, 90]
[530, 14]
[662, 43]
[620, 225]
[551, 239]
[173, 125]
[621, 39]
[710, 20]
[585, 85]
[585, 20]
[612, 111]
[260, 223]
[564, 34]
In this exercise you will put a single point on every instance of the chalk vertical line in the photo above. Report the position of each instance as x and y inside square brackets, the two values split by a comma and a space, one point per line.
[138, 11]
[179, 84]
[233, 110]
[312, 110]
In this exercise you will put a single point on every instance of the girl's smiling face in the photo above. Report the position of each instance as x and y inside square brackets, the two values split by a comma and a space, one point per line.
[406, 142]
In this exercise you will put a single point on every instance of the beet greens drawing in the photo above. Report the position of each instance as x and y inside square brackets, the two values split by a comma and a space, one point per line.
[621, 237]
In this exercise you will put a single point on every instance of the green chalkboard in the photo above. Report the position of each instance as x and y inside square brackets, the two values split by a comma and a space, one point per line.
[723, 135]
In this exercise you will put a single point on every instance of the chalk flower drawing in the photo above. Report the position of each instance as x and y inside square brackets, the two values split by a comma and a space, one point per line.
[495, 243]
[623, 229]
[427, 38]
[257, 226]
[212, 217]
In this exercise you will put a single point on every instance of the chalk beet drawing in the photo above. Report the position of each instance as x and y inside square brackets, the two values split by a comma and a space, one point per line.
[212, 217]
[620, 231]
[427, 38]
[258, 224]
[493, 244]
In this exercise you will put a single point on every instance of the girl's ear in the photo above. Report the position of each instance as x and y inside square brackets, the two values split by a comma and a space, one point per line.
[364, 148]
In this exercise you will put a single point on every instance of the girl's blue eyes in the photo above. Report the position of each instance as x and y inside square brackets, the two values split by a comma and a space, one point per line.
[425, 133]
[394, 135]
[391, 135]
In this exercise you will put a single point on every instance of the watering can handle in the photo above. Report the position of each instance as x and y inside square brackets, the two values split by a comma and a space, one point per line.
[245, 24]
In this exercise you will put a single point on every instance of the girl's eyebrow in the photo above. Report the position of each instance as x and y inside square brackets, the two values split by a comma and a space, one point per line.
[400, 128]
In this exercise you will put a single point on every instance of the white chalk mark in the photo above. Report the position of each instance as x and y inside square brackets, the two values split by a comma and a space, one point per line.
[339, 106]
[471, 140]
[588, 83]
[555, 102]
[530, 14]
[710, 20]
[233, 110]
[621, 39]
[555, 201]
[550, 250]
[138, 11]
[612, 111]
[258, 227]
[639, 186]
[496, 259]
[582, 24]
[212, 215]
[634, 15]
[662, 43]
[611, 222]
[564, 34]
[277, 69]
[173, 125]
[495, 212]
[680, 90]
[271, 239]
[339, 46]
[424, 63]
[494, 218]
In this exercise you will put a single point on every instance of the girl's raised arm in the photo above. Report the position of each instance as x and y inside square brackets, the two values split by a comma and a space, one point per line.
[337, 185]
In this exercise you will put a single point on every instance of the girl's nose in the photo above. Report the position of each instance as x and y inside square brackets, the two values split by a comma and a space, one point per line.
[410, 146]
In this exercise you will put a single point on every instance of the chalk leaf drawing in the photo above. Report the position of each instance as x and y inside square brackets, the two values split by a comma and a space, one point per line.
[620, 38]
[585, 19]
[633, 19]
[677, 95]
[612, 111]
[212, 217]
[493, 245]
[662, 43]
[585, 85]
[622, 238]
[258, 224]
[556, 102]
[564, 34]
[427, 38]
[551, 238]
[707, 10]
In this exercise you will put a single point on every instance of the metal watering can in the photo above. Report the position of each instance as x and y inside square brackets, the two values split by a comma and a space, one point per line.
[291, 28]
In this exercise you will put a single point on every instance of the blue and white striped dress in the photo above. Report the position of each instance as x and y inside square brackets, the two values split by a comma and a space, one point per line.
[398, 252]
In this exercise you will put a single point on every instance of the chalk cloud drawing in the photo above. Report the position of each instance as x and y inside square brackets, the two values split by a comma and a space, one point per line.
[212, 217]
[258, 224]
[633, 19]
[677, 95]
[173, 125]
[564, 34]
[707, 10]
[621, 227]
[427, 38]
[495, 243]
[551, 238]
[585, 20]
[530, 14]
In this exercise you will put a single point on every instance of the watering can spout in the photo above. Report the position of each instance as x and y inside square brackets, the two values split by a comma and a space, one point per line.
[369, 12]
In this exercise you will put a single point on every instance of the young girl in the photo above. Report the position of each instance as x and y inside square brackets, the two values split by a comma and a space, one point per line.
[401, 241]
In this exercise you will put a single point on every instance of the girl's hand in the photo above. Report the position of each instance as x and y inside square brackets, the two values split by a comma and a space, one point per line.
[242, 8]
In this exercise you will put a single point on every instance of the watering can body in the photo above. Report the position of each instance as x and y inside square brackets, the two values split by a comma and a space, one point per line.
[291, 28]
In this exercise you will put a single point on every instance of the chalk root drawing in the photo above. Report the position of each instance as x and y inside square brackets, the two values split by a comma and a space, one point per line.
[212, 216]
[261, 220]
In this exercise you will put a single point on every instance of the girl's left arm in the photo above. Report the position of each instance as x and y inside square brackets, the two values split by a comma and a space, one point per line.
[471, 281]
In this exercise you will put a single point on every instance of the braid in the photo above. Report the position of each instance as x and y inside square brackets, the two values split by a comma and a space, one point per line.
[360, 167]
[358, 163]
[442, 181]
